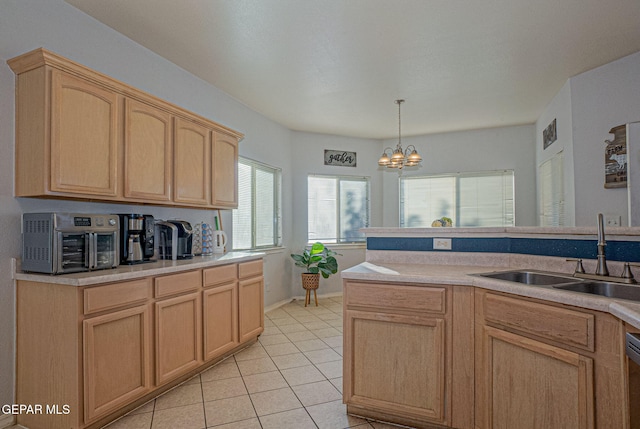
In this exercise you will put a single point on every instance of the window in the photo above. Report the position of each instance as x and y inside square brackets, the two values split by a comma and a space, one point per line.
[552, 191]
[338, 206]
[256, 221]
[469, 199]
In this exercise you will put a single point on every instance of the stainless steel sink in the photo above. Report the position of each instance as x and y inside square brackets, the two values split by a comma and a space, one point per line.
[608, 289]
[530, 277]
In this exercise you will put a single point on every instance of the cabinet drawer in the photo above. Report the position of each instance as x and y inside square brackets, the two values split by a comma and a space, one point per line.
[177, 283]
[115, 295]
[218, 275]
[250, 269]
[415, 298]
[567, 326]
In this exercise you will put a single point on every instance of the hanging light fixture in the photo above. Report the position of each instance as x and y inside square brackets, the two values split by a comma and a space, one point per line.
[398, 158]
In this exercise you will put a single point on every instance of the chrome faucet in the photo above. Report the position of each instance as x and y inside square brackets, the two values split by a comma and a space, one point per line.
[601, 268]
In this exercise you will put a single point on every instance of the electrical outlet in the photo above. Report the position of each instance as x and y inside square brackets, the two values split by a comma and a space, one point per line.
[613, 220]
[442, 243]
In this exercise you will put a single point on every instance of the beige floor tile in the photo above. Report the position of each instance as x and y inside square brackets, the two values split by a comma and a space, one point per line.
[193, 380]
[226, 369]
[189, 416]
[380, 425]
[284, 321]
[274, 401]
[254, 352]
[242, 424]
[316, 393]
[339, 350]
[301, 336]
[278, 313]
[222, 389]
[308, 345]
[302, 375]
[331, 369]
[307, 318]
[265, 381]
[130, 421]
[256, 366]
[281, 349]
[337, 382]
[268, 323]
[329, 316]
[185, 394]
[333, 415]
[323, 355]
[273, 339]
[146, 408]
[320, 309]
[313, 326]
[292, 328]
[228, 410]
[270, 330]
[295, 419]
[337, 323]
[333, 341]
[291, 361]
[326, 333]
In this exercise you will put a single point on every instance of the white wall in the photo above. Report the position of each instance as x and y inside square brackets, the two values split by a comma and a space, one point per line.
[509, 148]
[308, 158]
[57, 26]
[559, 109]
[600, 100]
[596, 101]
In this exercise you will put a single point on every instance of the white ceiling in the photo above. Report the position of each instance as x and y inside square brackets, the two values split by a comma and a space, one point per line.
[336, 66]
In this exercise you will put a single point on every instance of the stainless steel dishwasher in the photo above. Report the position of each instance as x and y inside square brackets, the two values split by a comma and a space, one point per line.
[633, 355]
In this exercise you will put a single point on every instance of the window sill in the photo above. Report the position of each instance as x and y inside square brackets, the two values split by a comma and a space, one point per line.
[266, 250]
[332, 246]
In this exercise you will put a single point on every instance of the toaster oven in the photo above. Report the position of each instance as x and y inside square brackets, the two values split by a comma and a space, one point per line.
[60, 243]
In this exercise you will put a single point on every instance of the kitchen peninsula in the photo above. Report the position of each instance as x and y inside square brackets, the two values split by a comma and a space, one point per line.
[104, 342]
[430, 343]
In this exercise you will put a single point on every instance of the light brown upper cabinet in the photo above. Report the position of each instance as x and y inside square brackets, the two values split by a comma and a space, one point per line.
[224, 175]
[83, 135]
[148, 154]
[191, 163]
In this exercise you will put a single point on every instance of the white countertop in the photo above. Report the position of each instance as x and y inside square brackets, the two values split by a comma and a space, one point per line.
[130, 272]
[627, 311]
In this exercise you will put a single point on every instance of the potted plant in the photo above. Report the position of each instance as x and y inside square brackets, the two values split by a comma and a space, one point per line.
[317, 259]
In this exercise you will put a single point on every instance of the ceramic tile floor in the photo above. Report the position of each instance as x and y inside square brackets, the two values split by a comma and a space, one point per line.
[291, 378]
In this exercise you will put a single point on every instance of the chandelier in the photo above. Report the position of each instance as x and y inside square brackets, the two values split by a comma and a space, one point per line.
[399, 158]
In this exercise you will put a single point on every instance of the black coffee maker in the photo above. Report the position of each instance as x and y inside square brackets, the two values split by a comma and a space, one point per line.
[136, 238]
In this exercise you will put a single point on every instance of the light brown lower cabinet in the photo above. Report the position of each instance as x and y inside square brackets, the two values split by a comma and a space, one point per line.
[97, 352]
[178, 336]
[250, 299]
[458, 357]
[400, 342]
[546, 365]
[116, 371]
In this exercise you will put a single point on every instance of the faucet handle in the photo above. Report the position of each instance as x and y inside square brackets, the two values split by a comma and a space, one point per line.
[579, 267]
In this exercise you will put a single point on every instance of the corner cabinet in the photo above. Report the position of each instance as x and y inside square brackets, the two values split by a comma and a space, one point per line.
[541, 364]
[103, 350]
[83, 135]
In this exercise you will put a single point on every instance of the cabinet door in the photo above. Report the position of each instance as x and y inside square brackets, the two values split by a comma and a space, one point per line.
[524, 383]
[396, 364]
[224, 174]
[192, 168]
[83, 137]
[147, 152]
[115, 371]
[251, 308]
[178, 336]
[220, 319]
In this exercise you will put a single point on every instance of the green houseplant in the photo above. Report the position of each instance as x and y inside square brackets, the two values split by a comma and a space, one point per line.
[317, 259]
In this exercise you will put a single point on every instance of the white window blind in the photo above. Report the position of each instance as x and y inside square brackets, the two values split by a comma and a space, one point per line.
[551, 173]
[481, 199]
[256, 221]
[338, 206]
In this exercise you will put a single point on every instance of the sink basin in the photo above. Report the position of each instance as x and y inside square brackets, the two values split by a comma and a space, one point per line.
[529, 277]
[608, 289]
